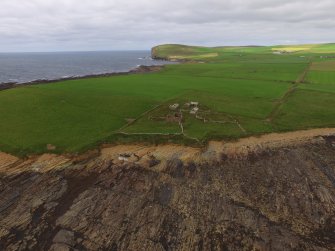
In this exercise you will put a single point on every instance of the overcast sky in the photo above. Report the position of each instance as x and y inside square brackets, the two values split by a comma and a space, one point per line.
[63, 25]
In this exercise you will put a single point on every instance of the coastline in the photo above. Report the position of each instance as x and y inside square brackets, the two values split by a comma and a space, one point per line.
[137, 70]
[54, 202]
[211, 152]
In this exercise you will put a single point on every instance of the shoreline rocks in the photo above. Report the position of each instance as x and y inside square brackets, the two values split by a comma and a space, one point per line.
[137, 70]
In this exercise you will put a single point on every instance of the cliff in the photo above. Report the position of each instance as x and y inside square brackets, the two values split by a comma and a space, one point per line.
[178, 52]
[268, 193]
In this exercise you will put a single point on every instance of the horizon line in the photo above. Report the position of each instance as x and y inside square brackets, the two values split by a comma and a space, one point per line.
[199, 45]
[75, 51]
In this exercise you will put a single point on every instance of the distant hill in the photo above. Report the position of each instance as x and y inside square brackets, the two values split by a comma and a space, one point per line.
[185, 52]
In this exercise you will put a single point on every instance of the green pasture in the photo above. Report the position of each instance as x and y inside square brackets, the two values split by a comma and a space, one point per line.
[241, 91]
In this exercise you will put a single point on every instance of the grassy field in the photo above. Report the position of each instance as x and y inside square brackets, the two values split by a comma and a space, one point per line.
[241, 91]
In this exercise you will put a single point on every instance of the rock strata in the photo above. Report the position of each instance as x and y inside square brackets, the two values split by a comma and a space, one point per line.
[257, 198]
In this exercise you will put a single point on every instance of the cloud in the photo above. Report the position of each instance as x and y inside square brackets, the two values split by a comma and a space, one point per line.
[39, 25]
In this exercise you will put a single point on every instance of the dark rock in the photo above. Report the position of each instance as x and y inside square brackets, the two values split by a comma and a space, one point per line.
[175, 168]
[163, 194]
[282, 199]
[153, 161]
[65, 237]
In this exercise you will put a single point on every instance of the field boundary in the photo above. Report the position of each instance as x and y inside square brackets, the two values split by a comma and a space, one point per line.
[290, 91]
[235, 78]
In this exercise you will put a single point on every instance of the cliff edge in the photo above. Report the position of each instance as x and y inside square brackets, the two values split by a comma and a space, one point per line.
[275, 192]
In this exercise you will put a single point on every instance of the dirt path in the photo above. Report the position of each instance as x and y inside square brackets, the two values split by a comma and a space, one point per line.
[302, 77]
[280, 103]
[290, 91]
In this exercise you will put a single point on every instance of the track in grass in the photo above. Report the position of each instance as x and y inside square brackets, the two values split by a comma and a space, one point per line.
[289, 92]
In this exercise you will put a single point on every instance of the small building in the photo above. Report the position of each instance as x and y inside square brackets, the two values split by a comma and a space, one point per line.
[174, 106]
[194, 110]
[192, 103]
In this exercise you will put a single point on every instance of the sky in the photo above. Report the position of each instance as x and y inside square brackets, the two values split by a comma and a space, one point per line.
[81, 25]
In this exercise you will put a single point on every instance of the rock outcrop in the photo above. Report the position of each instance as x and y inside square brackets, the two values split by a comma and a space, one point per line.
[172, 198]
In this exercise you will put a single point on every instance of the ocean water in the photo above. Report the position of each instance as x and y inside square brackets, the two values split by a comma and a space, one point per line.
[25, 67]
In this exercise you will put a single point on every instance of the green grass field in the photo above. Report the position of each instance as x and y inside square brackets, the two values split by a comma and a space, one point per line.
[241, 91]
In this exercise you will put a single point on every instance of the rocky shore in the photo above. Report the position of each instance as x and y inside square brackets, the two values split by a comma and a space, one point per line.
[275, 192]
[139, 69]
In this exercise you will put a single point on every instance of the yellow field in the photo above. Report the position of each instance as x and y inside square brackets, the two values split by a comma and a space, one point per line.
[293, 49]
[207, 55]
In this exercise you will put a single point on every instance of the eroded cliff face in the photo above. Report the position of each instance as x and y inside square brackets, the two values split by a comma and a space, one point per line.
[172, 198]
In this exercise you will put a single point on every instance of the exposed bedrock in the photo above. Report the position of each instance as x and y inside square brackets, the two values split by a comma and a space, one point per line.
[279, 199]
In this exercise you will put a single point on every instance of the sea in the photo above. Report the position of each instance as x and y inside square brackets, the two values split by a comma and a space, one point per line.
[26, 67]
